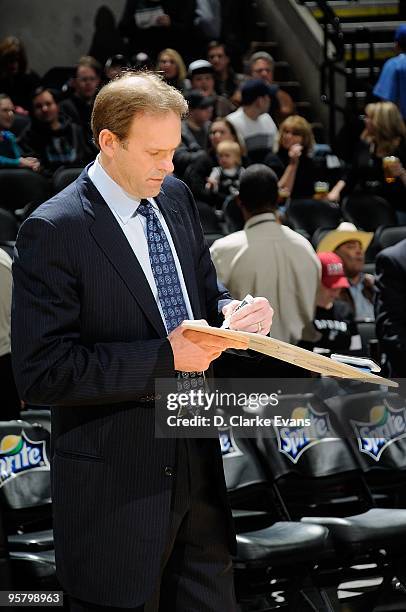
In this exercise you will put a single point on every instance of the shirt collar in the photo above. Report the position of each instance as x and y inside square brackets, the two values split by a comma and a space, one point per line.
[360, 284]
[122, 203]
[259, 219]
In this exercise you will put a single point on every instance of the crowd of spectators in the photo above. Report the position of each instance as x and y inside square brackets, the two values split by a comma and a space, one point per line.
[243, 145]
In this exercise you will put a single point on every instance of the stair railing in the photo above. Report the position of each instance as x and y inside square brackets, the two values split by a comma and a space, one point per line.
[331, 68]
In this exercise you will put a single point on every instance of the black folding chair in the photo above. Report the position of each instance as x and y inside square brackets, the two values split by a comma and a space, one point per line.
[368, 212]
[367, 331]
[232, 215]
[64, 177]
[267, 548]
[321, 482]
[25, 503]
[58, 77]
[22, 189]
[375, 425]
[386, 236]
[310, 215]
[8, 225]
[8, 246]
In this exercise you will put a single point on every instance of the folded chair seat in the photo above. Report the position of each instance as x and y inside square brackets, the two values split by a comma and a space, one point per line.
[31, 542]
[282, 543]
[34, 570]
[376, 526]
[251, 520]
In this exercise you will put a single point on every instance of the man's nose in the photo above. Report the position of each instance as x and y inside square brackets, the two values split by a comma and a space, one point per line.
[166, 165]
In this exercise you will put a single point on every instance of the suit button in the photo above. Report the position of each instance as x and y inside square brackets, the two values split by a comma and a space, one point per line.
[169, 471]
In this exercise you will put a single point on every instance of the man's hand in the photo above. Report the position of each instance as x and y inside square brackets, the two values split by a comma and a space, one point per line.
[194, 351]
[254, 318]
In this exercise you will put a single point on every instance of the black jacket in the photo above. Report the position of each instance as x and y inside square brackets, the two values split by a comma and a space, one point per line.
[65, 146]
[390, 307]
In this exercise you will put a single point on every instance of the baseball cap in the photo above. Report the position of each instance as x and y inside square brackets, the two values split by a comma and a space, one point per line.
[196, 99]
[253, 89]
[400, 34]
[332, 271]
[200, 66]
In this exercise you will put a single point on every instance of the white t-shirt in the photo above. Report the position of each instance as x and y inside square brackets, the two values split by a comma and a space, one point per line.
[258, 134]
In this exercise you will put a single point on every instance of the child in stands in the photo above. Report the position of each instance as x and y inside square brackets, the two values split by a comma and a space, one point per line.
[224, 179]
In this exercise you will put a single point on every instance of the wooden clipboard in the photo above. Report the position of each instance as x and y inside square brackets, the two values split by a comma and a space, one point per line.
[292, 354]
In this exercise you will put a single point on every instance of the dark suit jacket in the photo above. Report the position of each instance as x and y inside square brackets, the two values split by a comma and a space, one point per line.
[390, 307]
[88, 339]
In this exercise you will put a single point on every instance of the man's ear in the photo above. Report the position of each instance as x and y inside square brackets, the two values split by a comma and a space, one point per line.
[108, 142]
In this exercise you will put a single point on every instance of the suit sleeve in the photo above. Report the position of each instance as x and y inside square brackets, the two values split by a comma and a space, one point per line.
[390, 305]
[51, 365]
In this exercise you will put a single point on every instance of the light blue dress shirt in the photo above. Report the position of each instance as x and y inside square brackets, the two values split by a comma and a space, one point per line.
[134, 227]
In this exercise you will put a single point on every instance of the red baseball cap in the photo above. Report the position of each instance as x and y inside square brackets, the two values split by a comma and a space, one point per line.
[332, 271]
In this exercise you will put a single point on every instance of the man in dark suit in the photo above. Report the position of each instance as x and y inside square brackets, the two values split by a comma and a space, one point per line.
[104, 274]
[390, 308]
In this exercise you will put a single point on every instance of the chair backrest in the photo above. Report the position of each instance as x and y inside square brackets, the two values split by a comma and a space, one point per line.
[20, 123]
[210, 238]
[24, 467]
[233, 217]
[309, 215]
[64, 177]
[319, 234]
[310, 461]
[8, 225]
[367, 331]
[368, 212]
[38, 416]
[8, 246]
[248, 486]
[58, 76]
[20, 187]
[389, 235]
[375, 425]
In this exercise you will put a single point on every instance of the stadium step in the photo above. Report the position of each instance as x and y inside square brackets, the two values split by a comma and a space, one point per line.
[365, 24]
[363, 10]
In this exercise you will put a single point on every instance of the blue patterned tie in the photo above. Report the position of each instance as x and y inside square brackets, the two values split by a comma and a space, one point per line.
[168, 284]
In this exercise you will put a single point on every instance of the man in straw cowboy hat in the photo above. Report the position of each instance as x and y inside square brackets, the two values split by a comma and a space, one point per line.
[350, 244]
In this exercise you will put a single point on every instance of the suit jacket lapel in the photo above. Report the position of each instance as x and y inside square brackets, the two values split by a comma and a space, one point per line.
[177, 229]
[110, 238]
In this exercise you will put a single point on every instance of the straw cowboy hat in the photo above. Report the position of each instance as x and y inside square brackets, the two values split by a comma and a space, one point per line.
[344, 233]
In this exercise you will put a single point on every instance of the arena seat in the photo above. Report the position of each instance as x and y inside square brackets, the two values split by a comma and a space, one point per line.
[320, 482]
[310, 215]
[64, 177]
[368, 212]
[20, 188]
[386, 236]
[8, 226]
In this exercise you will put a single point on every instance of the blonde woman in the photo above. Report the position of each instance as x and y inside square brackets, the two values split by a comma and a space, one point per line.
[172, 66]
[293, 162]
[384, 136]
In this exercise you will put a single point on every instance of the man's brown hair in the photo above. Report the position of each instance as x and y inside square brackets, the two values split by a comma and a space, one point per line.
[133, 93]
